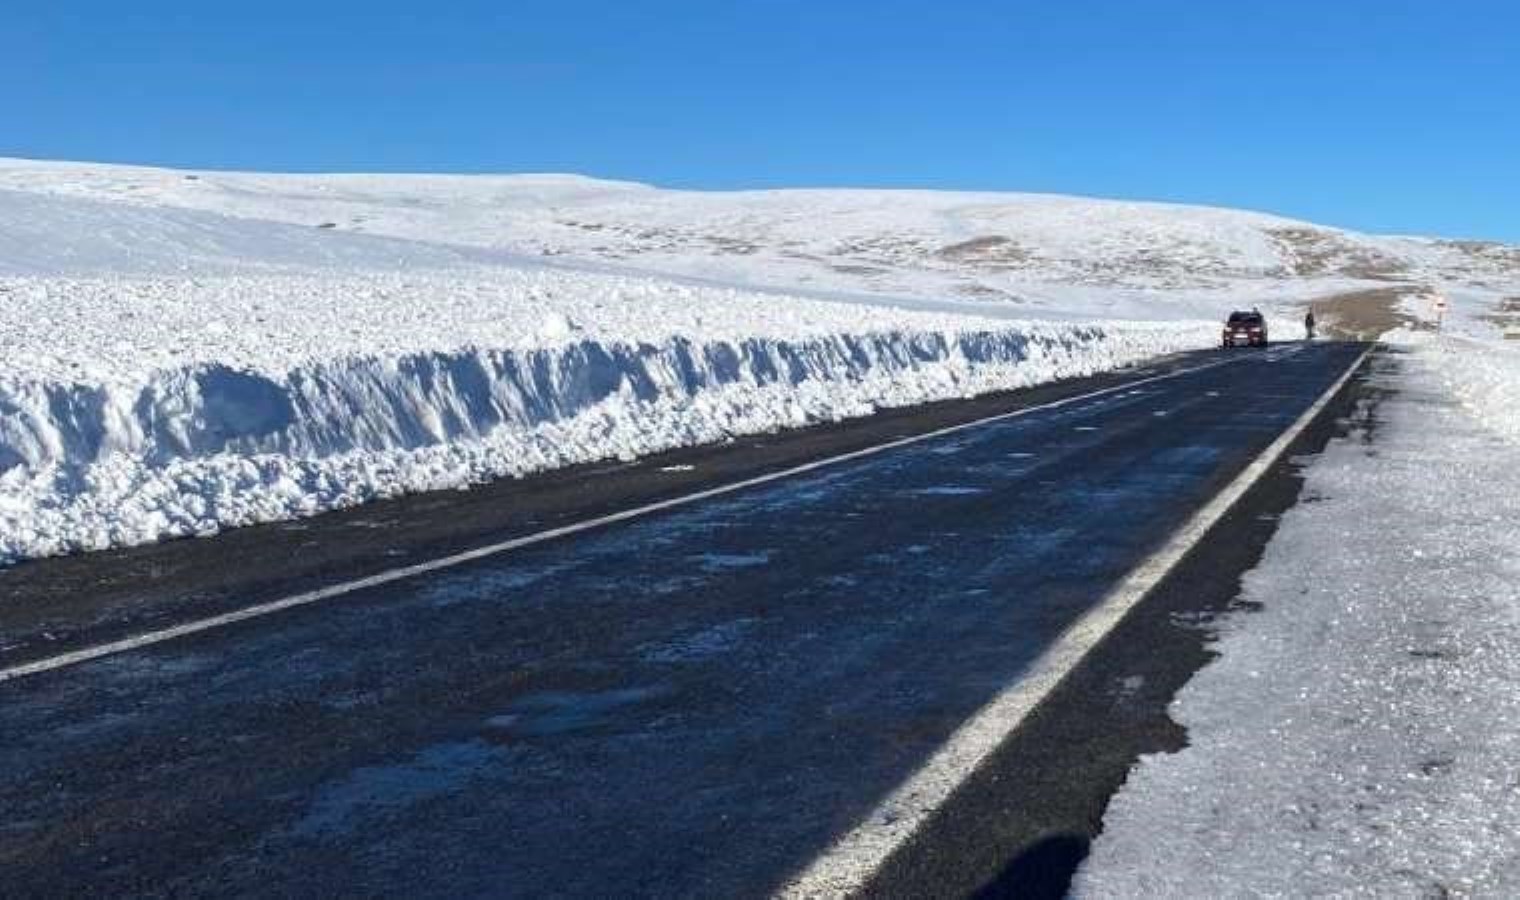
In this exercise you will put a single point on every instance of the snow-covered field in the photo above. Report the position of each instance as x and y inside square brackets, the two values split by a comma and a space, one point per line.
[1359, 736]
[186, 351]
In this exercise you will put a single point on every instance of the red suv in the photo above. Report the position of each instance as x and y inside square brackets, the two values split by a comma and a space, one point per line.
[1249, 328]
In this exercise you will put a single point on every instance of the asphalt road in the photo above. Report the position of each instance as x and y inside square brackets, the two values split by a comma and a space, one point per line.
[692, 703]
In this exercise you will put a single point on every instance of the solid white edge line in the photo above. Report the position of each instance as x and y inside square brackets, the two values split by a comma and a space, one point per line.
[148, 639]
[848, 865]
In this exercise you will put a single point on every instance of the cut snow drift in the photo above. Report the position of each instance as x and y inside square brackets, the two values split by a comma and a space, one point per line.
[366, 386]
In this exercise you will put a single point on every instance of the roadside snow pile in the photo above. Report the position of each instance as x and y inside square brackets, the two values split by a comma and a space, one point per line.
[1359, 735]
[1486, 376]
[138, 409]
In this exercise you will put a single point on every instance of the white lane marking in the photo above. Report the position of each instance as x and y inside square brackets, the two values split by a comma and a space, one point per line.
[447, 562]
[847, 866]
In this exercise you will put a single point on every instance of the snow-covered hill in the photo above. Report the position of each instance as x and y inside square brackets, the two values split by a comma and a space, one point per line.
[1070, 256]
[183, 351]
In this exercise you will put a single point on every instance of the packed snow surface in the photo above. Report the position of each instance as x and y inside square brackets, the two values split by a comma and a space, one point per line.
[1358, 736]
[186, 351]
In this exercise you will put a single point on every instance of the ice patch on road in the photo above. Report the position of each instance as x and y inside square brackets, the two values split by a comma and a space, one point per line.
[948, 490]
[550, 713]
[706, 643]
[723, 562]
[435, 772]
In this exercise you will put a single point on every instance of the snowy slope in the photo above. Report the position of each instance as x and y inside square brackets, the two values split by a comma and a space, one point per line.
[184, 351]
[44, 235]
[1039, 254]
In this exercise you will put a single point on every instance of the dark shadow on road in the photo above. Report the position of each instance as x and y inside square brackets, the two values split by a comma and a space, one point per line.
[1043, 870]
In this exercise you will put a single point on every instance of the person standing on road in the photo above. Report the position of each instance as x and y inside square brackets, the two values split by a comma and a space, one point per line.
[1309, 324]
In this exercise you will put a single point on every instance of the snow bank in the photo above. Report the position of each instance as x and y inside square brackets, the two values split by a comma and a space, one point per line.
[1359, 735]
[134, 410]
[1485, 376]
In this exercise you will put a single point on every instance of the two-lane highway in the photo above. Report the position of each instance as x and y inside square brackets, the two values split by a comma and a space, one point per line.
[697, 701]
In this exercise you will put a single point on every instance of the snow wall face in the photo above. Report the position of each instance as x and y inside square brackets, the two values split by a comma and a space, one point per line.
[193, 450]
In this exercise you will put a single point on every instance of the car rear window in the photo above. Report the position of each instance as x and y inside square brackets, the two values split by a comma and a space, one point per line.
[1245, 319]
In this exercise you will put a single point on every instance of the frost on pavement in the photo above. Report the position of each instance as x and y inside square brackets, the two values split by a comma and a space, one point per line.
[1360, 734]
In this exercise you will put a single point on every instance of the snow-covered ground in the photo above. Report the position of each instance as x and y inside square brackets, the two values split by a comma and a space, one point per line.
[185, 351]
[1360, 734]
[1020, 255]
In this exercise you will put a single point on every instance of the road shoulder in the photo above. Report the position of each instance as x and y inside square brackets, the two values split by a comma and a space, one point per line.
[1024, 821]
[1356, 733]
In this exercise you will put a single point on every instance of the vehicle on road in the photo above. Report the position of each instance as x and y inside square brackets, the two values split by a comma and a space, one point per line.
[1245, 328]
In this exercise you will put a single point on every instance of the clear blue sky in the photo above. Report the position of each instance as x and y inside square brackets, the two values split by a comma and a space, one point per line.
[1387, 115]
